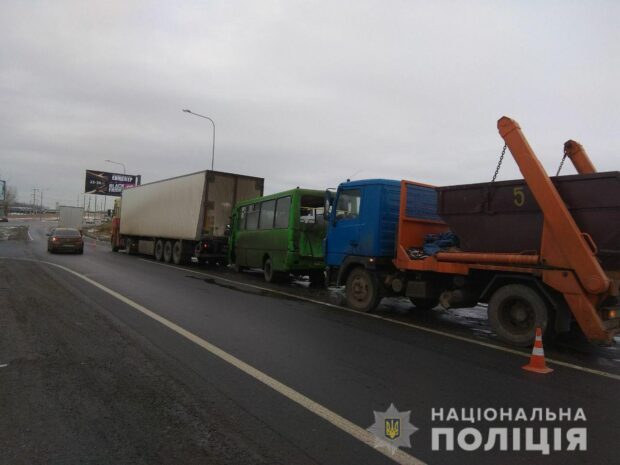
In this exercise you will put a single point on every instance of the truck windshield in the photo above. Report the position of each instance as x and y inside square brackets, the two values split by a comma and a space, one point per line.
[349, 202]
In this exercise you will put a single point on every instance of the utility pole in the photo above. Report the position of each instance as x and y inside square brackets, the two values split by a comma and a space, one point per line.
[34, 200]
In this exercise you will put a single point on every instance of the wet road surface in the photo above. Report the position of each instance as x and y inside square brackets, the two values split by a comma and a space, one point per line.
[93, 372]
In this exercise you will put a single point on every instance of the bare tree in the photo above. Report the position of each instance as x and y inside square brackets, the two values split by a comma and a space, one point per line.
[10, 195]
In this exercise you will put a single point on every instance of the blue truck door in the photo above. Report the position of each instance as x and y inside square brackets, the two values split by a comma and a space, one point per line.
[344, 230]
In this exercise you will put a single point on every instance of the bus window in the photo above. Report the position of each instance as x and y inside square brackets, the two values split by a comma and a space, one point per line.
[242, 214]
[349, 202]
[311, 210]
[267, 211]
[252, 217]
[283, 209]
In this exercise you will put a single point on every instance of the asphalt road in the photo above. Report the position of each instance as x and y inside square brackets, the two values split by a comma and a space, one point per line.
[147, 363]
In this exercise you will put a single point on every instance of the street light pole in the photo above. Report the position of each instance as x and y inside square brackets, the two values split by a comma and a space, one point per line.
[213, 123]
[117, 163]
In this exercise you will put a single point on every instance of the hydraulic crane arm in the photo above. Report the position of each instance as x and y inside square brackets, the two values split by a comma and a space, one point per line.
[563, 245]
[579, 157]
[567, 239]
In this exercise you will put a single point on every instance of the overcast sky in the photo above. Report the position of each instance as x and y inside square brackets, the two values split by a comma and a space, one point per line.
[303, 93]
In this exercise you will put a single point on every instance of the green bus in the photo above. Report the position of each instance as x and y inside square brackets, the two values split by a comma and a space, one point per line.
[280, 233]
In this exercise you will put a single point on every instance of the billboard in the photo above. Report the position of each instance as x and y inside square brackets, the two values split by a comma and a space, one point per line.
[104, 183]
[2, 189]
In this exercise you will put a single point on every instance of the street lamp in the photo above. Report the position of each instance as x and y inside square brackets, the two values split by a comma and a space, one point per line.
[213, 123]
[117, 163]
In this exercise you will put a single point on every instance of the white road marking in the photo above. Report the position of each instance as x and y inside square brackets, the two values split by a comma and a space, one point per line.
[398, 322]
[314, 407]
[4, 365]
[29, 236]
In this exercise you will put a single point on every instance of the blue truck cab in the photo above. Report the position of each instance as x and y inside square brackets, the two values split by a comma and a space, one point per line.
[362, 224]
[361, 239]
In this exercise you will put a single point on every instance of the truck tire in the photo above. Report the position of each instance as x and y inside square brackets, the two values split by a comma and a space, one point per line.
[159, 250]
[362, 290]
[178, 253]
[167, 251]
[515, 311]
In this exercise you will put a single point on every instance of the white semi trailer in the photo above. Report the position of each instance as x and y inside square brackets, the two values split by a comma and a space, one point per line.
[70, 217]
[179, 218]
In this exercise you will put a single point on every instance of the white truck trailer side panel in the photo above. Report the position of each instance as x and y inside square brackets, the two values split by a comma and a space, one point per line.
[70, 217]
[171, 208]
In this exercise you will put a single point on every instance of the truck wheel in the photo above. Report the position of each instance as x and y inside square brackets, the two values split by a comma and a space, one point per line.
[515, 311]
[424, 304]
[178, 254]
[362, 290]
[159, 250]
[168, 251]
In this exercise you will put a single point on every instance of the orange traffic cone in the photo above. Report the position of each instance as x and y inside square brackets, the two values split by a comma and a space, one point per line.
[537, 360]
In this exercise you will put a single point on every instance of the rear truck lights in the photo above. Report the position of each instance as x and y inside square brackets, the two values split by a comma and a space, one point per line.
[609, 313]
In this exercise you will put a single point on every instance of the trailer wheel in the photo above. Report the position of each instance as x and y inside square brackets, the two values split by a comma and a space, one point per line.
[168, 251]
[128, 245]
[159, 250]
[515, 311]
[179, 257]
[362, 290]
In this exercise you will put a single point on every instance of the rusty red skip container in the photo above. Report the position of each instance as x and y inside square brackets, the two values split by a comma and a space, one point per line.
[504, 216]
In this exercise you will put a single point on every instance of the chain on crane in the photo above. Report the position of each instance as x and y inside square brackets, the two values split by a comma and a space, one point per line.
[562, 162]
[499, 164]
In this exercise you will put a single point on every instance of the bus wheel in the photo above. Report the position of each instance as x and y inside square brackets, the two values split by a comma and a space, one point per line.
[168, 251]
[159, 250]
[362, 290]
[515, 311]
[271, 276]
